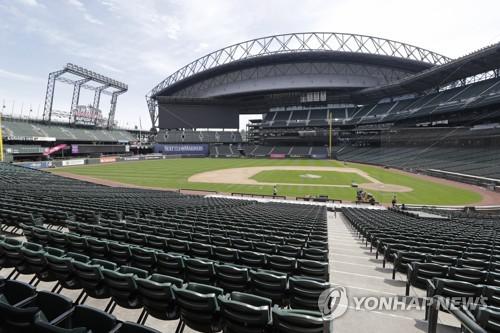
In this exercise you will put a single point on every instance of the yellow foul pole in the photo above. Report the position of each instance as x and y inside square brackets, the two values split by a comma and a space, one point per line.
[330, 121]
[1, 139]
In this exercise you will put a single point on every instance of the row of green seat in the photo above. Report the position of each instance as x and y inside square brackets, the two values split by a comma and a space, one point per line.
[176, 259]
[23, 309]
[161, 296]
[137, 234]
[13, 219]
[307, 237]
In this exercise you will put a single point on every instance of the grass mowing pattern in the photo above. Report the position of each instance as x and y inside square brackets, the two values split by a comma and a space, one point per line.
[297, 177]
[174, 173]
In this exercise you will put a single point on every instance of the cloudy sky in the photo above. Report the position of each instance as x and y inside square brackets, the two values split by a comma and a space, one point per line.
[142, 42]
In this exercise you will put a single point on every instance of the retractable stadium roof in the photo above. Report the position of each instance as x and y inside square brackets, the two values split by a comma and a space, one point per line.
[475, 63]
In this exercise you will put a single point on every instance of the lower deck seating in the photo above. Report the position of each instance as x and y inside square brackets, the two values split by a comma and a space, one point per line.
[209, 264]
[480, 162]
[448, 258]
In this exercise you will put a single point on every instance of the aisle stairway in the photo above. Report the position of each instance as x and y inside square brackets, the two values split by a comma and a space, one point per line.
[355, 268]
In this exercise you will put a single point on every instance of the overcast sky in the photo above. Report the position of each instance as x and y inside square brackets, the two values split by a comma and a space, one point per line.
[142, 42]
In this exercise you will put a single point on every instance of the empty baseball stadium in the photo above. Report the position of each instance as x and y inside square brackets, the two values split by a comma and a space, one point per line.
[293, 183]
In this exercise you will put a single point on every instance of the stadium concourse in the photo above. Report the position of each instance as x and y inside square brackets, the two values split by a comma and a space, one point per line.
[77, 254]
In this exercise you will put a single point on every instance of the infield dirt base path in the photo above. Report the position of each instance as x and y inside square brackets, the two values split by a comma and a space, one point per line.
[243, 176]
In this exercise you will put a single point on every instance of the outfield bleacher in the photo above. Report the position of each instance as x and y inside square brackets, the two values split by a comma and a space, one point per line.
[15, 129]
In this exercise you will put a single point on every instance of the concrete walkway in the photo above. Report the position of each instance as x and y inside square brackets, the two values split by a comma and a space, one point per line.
[353, 266]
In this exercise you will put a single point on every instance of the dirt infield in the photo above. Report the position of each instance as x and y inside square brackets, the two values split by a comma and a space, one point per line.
[243, 176]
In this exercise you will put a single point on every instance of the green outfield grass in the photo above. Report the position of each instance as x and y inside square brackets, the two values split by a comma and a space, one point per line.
[174, 174]
[309, 177]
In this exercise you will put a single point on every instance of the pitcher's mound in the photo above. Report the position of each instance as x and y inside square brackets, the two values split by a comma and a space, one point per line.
[385, 187]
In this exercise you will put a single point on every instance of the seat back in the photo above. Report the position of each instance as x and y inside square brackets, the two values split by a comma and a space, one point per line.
[269, 285]
[170, 264]
[314, 269]
[452, 288]
[177, 246]
[245, 312]
[119, 253]
[491, 295]
[231, 278]
[16, 291]
[304, 293]
[489, 318]
[199, 271]
[52, 305]
[226, 255]
[198, 306]
[281, 264]
[200, 250]
[316, 254]
[157, 295]
[467, 274]
[252, 259]
[493, 279]
[143, 258]
[299, 321]
[122, 286]
[93, 319]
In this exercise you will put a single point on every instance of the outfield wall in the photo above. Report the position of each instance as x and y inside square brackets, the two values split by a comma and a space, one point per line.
[91, 161]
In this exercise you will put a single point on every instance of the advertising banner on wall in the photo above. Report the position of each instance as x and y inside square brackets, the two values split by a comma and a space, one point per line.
[153, 157]
[73, 162]
[132, 158]
[108, 159]
[30, 138]
[37, 165]
[277, 155]
[182, 149]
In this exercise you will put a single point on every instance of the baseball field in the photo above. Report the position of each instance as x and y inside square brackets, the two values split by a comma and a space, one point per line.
[291, 177]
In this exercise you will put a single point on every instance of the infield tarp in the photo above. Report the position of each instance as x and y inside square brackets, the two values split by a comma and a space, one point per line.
[181, 149]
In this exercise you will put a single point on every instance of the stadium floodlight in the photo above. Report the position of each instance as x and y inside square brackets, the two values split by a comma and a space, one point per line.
[85, 76]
